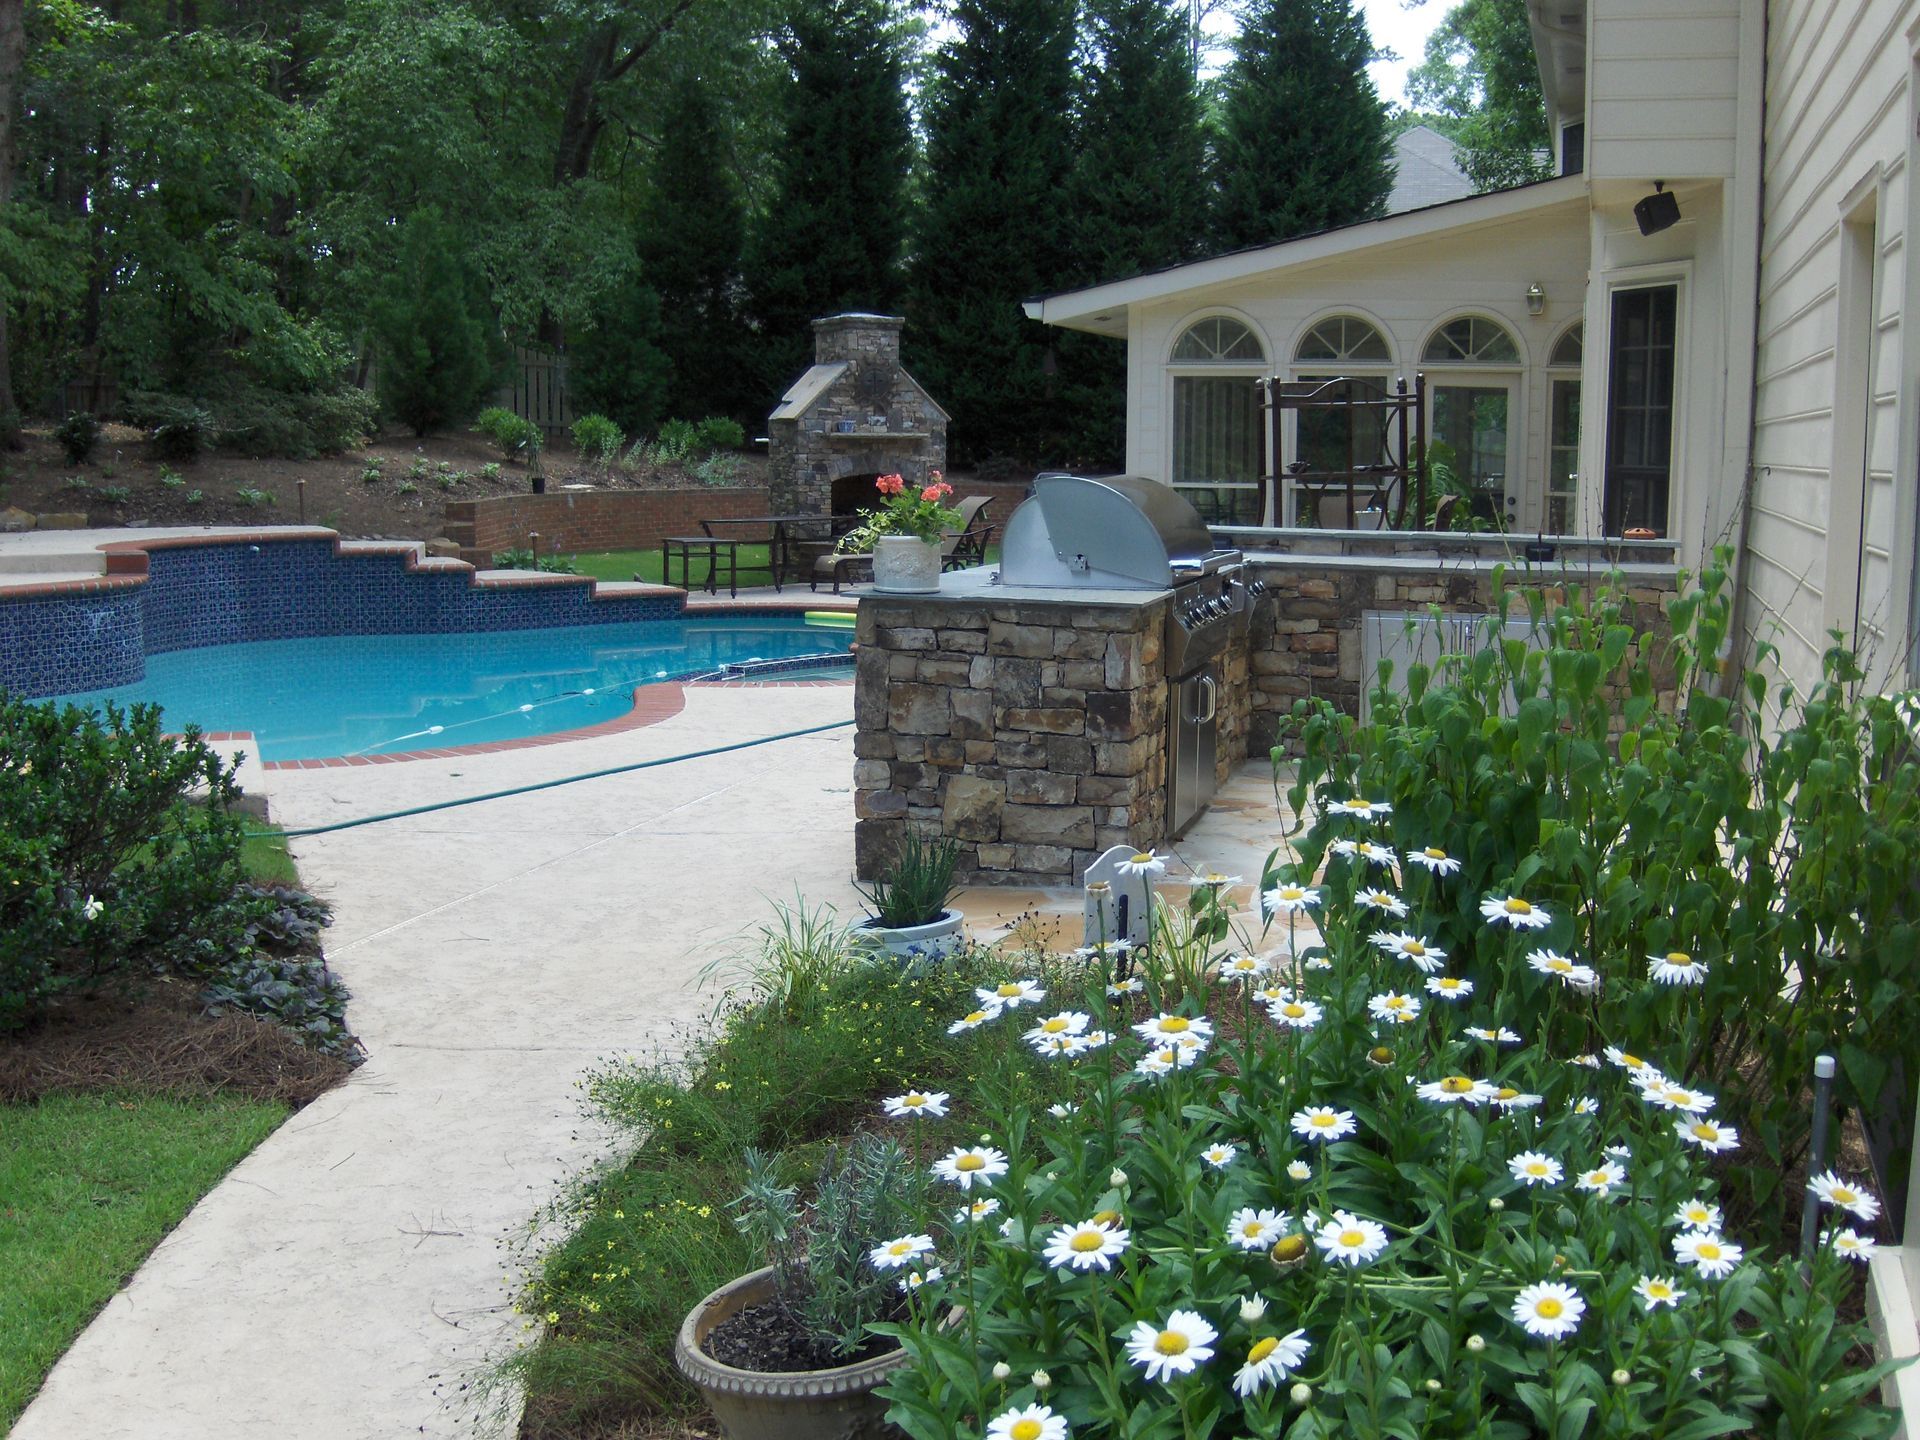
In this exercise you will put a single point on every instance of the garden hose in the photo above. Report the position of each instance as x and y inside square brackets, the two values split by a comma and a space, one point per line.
[546, 784]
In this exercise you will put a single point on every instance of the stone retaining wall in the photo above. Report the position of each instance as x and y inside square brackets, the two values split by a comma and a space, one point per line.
[1031, 733]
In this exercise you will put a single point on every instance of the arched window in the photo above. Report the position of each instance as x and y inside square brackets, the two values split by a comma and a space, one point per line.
[1566, 350]
[1471, 340]
[1218, 338]
[1563, 433]
[1340, 339]
[1218, 449]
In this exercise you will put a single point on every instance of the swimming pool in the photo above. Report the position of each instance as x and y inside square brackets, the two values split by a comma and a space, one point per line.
[340, 695]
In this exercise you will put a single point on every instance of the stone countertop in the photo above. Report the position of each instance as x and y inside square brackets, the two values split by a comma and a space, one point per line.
[1518, 571]
[979, 585]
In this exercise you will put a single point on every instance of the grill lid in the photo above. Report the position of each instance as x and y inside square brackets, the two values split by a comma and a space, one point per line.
[1120, 532]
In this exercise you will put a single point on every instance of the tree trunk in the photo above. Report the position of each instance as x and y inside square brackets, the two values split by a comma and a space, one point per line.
[13, 47]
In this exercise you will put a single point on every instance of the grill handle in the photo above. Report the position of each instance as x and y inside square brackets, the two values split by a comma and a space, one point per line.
[1212, 693]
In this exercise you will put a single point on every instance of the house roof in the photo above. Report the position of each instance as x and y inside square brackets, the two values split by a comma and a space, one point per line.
[1102, 309]
[1426, 171]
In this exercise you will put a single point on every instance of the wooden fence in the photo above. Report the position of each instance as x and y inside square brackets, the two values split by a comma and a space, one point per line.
[536, 389]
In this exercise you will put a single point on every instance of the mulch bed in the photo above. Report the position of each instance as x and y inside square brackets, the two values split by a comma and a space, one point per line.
[160, 1042]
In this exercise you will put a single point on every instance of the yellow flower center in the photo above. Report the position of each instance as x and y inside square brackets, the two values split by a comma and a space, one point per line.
[1293, 1009]
[900, 1247]
[1517, 906]
[1705, 1132]
[1171, 1342]
[1252, 1229]
[1261, 1349]
[1434, 852]
[1289, 1249]
[1456, 1085]
[1682, 1098]
[1291, 892]
[1143, 859]
[1505, 1092]
[1380, 1055]
[1843, 1196]
[1659, 1291]
[1549, 1309]
[1353, 1239]
[1559, 966]
[1107, 1217]
[1536, 1167]
[914, 1102]
[1415, 948]
[1086, 1241]
[1007, 991]
[1707, 1251]
[970, 1162]
[1632, 1062]
[974, 1017]
[1027, 1429]
[1053, 1026]
[1396, 1002]
[1174, 1025]
[1679, 957]
[1323, 1121]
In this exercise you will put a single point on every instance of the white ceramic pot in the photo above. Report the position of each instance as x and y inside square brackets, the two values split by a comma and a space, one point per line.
[906, 565]
[932, 941]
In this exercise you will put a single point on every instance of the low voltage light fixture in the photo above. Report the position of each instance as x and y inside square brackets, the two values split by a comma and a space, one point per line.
[1536, 298]
[1658, 211]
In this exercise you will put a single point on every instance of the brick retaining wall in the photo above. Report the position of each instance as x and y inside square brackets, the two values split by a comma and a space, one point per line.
[576, 520]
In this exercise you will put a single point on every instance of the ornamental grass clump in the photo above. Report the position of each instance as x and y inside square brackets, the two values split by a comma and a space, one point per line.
[1313, 1198]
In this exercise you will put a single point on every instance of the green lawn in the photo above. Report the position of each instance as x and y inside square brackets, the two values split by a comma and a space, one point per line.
[645, 565]
[266, 859]
[89, 1184]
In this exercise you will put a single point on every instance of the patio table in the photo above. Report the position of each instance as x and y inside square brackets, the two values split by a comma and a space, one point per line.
[785, 534]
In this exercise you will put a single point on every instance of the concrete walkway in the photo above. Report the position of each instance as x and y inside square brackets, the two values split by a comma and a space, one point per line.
[349, 1279]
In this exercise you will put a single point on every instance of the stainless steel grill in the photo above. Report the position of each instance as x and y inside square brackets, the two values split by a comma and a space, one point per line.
[1124, 532]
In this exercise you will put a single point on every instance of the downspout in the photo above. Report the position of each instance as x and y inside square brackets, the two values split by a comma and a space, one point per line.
[1743, 337]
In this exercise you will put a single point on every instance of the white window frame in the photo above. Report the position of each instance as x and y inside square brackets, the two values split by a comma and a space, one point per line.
[1596, 374]
[1174, 370]
[1555, 375]
[1478, 375]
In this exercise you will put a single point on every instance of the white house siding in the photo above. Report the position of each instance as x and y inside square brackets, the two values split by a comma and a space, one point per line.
[1838, 117]
[1662, 88]
[1407, 291]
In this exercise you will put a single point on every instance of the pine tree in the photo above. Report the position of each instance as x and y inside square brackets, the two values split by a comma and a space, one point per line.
[1302, 144]
[995, 228]
[691, 234]
[831, 238]
[618, 368]
[1138, 195]
[433, 328]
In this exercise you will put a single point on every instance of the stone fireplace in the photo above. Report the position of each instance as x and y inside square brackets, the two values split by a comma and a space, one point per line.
[853, 416]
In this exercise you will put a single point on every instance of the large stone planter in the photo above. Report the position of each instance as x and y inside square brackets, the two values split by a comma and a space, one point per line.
[836, 1404]
[935, 940]
[904, 565]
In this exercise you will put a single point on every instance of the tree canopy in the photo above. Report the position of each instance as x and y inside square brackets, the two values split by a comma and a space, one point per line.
[1480, 81]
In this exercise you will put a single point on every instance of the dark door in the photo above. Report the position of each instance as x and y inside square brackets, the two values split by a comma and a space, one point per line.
[1640, 410]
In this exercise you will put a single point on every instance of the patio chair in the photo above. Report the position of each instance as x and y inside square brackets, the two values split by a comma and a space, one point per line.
[967, 545]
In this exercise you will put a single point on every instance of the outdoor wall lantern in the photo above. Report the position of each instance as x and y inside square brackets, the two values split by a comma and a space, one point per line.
[1658, 211]
[1536, 298]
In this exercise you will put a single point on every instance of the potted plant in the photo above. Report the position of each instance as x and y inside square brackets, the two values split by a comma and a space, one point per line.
[786, 1352]
[904, 534]
[911, 914]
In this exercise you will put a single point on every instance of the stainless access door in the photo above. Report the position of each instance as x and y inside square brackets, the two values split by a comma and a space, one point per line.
[1194, 730]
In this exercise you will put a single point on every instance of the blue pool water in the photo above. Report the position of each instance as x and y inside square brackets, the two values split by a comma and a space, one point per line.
[365, 694]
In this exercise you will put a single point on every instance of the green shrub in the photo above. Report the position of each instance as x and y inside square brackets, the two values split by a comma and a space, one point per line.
[433, 327]
[490, 470]
[196, 497]
[120, 846]
[256, 420]
[78, 434]
[717, 470]
[617, 368]
[915, 888]
[677, 441]
[172, 479]
[372, 472]
[719, 433]
[597, 438]
[114, 494]
[521, 558]
[178, 427]
[517, 437]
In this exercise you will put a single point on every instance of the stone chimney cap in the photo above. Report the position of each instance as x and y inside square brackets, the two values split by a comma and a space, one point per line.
[858, 317]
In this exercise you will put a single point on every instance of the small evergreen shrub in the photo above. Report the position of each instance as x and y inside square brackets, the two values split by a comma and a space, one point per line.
[521, 558]
[678, 440]
[179, 428]
[717, 432]
[617, 367]
[77, 435]
[517, 437]
[597, 438]
[433, 327]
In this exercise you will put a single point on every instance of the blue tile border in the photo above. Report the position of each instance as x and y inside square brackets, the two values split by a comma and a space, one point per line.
[85, 635]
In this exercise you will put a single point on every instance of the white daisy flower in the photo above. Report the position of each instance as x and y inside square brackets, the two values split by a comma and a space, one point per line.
[1585, 1106]
[1696, 1215]
[1318, 961]
[975, 1212]
[1549, 1309]
[1067, 1022]
[1853, 1245]
[1844, 1195]
[1358, 809]
[1242, 967]
[1252, 1308]
[1587, 1060]
[1132, 985]
[1295, 1014]
[1455, 1090]
[1251, 1229]
[1105, 950]
[91, 909]
[1709, 1136]
[1365, 851]
[1269, 1361]
[1028, 1422]
[1676, 967]
[1668, 1096]
[1057, 1047]
[974, 1020]
[1170, 1029]
[1219, 1156]
[1633, 1064]
[1323, 1123]
[1657, 1290]
[1179, 1347]
[1169, 1058]
[1299, 1170]
[1602, 1179]
[970, 1165]
[1531, 1168]
[1508, 1098]
[1150, 863]
[915, 1279]
[1012, 995]
[1351, 1240]
[1501, 1036]
[1434, 859]
[1092, 1040]
[1548, 962]
[1271, 994]
[1385, 901]
[1411, 948]
[1290, 898]
[1708, 1252]
[932, 1103]
[1090, 1245]
[1213, 879]
[1061, 1109]
[1394, 1008]
[1512, 910]
[904, 1251]
[1449, 987]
